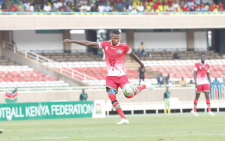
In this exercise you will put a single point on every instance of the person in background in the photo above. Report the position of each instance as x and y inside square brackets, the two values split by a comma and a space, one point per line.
[191, 82]
[168, 80]
[216, 81]
[108, 8]
[167, 101]
[160, 80]
[141, 49]
[176, 6]
[141, 74]
[131, 7]
[83, 96]
[101, 8]
[224, 79]
[140, 8]
[47, 8]
[183, 82]
[94, 8]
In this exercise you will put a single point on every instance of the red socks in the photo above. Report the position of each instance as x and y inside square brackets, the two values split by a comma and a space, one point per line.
[208, 105]
[207, 102]
[116, 105]
[137, 90]
[195, 105]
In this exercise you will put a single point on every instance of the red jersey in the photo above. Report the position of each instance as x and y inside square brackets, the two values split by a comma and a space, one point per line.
[184, 8]
[202, 5]
[115, 57]
[158, 3]
[169, 2]
[196, 6]
[201, 73]
[220, 5]
[155, 6]
[213, 6]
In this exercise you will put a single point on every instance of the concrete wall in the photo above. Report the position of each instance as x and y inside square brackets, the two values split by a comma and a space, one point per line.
[20, 22]
[78, 37]
[38, 66]
[184, 94]
[156, 40]
[29, 40]
[200, 39]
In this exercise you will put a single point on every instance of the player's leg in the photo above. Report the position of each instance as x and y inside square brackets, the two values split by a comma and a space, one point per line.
[165, 110]
[197, 94]
[168, 104]
[206, 90]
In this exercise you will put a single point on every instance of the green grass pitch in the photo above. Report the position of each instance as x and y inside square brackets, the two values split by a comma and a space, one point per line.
[146, 128]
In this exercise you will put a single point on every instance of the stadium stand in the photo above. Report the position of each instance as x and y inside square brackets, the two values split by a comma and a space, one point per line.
[15, 75]
[113, 6]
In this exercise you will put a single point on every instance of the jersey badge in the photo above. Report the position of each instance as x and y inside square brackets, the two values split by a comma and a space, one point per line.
[119, 51]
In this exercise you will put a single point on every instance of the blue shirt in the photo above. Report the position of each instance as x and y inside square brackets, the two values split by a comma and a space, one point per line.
[167, 95]
[216, 82]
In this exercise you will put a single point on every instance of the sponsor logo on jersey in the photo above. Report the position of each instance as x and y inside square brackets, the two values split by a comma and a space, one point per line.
[119, 51]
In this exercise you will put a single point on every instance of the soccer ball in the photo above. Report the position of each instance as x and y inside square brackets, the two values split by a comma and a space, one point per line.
[9, 118]
[128, 89]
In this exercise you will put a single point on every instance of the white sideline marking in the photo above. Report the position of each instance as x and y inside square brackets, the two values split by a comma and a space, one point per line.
[122, 136]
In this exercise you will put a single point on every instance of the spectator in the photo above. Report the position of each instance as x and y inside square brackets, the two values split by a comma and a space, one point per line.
[56, 6]
[13, 8]
[157, 2]
[191, 82]
[142, 49]
[134, 11]
[176, 6]
[101, 8]
[215, 81]
[224, 80]
[192, 9]
[68, 7]
[197, 2]
[196, 7]
[141, 74]
[184, 8]
[108, 8]
[131, 7]
[123, 8]
[168, 80]
[220, 4]
[160, 80]
[47, 8]
[213, 6]
[127, 3]
[119, 5]
[169, 2]
[82, 8]
[183, 82]
[83, 96]
[27, 6]
[221, 9]
[1, 2]
[190, 3]
[94, 8]
[155, 6]
[88, 8]
[170, 9]
[140, 8]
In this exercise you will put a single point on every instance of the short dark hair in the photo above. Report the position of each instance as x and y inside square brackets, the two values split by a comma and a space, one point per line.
[203, 54]
[115, 31]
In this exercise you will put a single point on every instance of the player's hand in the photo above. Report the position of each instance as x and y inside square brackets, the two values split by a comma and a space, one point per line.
[66, 41]
[142, 66]
[196, 86]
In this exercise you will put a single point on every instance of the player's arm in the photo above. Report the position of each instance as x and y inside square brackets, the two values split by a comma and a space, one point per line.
[196, 85]
[83, 43]
[209, 78]
[132, 55]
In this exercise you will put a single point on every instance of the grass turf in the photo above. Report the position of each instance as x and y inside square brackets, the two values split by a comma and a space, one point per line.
[147, 128]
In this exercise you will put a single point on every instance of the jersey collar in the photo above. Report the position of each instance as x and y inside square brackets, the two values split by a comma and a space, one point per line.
[112, 44]
[204, 62]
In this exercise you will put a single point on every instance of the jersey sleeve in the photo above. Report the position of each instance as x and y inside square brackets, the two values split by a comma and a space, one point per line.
[101, 45]
[128, 50]
[196, 67]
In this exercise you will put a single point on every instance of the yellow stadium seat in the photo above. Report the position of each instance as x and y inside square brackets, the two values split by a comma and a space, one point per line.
[180, 10]
[154, 0]
[82, 14]
[0, 10]
[157, 10]
[206, 6]
[152, 10]
[215, 10]
[165, 7]
[106, 14]
[148, 7]
[177, 13]
[151, 3]
[94, 14]
[41, 14]
[217, 6]
[49, 3]
[88, 13]
[160, 7]
[206, 14]
[52, 13]
[160, 0]
[14, 13]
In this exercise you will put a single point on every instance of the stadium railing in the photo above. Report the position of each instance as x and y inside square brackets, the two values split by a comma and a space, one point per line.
[114, 13]
[42, 59]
